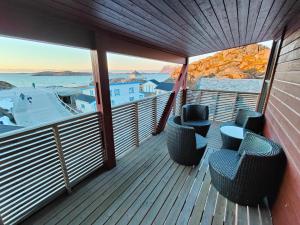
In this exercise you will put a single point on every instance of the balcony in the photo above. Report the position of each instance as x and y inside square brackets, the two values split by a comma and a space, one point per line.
[39, 165]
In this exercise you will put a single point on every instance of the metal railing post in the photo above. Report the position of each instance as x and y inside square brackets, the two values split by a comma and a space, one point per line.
[61, 158]
[1, 220]
[136, 121]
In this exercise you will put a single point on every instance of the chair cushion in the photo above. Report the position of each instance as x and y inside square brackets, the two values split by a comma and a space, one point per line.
[201, 142]
[224, 162]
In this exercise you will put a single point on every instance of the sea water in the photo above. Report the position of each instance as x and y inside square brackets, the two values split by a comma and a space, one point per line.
[26, 80]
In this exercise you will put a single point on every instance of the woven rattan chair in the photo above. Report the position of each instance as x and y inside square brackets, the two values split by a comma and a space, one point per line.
[196, 116]
[248, 175]
[250, 120]
[184, 145]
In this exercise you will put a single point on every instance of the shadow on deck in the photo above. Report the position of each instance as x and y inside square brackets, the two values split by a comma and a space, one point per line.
[147, 187]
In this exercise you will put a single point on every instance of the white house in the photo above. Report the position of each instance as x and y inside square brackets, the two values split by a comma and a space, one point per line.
[125, 92]
[120, 92]
[149, 86]
[85, 103]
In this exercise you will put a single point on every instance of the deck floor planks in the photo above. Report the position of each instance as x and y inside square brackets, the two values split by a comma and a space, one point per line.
[147, 187]
[77, 215]
[85, 188]
[219, 210]
[136, 188]
[112, 204]
[151, 214]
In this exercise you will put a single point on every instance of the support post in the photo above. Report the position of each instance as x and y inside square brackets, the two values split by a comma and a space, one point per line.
[1, 220]
[172, 98]
[184, 90]
[101, 81]
[61, 158]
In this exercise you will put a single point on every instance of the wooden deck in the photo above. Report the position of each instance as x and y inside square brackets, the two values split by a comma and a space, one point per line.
[147, 187]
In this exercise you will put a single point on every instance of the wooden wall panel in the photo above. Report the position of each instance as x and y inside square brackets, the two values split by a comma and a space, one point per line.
[283, 126]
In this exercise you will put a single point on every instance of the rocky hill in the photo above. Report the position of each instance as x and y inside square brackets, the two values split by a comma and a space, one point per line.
[5, 85]
[243, 62]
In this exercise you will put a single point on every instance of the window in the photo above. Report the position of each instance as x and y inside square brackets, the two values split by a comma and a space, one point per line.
[92, 92]
[131, 90]
[131, 99]
[112, 102]
[117, 92]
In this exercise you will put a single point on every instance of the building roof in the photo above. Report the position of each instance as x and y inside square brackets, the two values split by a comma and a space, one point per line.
[154, 81]
[165, 86]
[86, 98]
[239, 85]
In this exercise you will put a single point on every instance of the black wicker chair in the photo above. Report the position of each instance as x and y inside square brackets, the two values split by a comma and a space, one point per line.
[184, 145]
[196, 116]
[248, 175]
[250, 120]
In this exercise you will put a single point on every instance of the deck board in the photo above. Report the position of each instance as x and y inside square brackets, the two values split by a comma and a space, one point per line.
[147, 187]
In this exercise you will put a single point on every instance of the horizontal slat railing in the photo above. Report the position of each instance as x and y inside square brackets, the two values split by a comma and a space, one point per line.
[38, 164]
[223, 105]
[135, 121]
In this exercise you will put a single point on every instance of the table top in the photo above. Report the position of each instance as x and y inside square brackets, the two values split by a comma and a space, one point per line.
[233, 131]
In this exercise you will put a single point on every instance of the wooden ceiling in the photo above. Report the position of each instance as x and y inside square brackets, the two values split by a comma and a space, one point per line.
[185, 27]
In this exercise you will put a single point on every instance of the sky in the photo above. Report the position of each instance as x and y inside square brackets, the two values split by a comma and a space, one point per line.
[17, 55]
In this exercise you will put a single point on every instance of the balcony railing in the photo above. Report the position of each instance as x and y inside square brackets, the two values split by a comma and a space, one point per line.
[223, 105]
[37, 164]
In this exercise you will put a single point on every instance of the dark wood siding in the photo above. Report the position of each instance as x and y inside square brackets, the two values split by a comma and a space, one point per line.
[283, 125]
[183, 27]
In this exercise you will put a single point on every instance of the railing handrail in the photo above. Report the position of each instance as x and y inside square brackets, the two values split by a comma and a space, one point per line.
[225, 91]
[47, 125]
[140, 100]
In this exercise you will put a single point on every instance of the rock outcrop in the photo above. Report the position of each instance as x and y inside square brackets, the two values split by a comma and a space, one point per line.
[5, 85]
[243, 62]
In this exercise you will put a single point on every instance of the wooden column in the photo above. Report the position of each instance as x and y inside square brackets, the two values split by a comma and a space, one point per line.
[101, 81]
[184, 90]
[167, 110]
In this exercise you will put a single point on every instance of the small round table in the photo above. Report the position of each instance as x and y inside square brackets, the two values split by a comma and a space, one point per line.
[232, 136]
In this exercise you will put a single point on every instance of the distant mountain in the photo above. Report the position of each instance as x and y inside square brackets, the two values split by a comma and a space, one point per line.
[5, 85]
[243, 62]
[62, 73]
[168, 69]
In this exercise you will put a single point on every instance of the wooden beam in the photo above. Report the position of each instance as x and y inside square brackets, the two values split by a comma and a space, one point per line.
[181, 80]
[274, 66]
[124, 45]
[101, 81]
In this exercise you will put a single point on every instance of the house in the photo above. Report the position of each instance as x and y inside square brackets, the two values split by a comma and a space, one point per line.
[149, 86]
[163, 87]
[124, 92]
[85, 103]
[120, 92]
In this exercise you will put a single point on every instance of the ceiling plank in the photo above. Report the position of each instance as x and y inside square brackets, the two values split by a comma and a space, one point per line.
[243, 12]
[262, 16]
[202, 28]
[252, 19]
[221, 14]
[231, 10]
[212, 25]
[283, 13]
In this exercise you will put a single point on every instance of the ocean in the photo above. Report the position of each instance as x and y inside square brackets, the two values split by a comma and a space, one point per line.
[26, 80]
